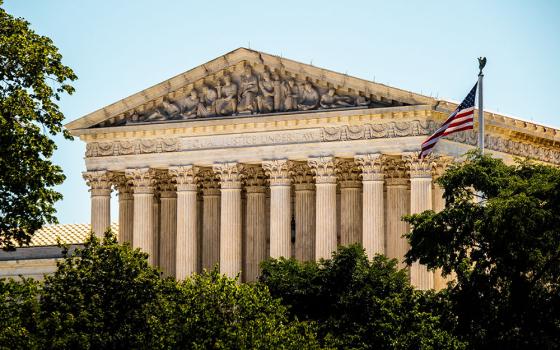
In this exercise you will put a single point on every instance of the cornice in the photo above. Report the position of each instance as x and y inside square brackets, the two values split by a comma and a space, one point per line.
[247, 124]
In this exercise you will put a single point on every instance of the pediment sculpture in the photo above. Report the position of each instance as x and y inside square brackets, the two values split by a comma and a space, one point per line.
[247, 93]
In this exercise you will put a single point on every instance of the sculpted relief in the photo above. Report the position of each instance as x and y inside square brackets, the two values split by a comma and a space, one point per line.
[246, 93]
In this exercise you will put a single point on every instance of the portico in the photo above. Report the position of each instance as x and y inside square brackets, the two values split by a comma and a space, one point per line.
[253, 156]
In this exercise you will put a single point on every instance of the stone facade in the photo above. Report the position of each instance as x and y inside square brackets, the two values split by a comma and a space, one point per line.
[252, 156]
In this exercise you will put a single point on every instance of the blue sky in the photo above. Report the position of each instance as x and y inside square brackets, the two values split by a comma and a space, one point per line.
[118, 48]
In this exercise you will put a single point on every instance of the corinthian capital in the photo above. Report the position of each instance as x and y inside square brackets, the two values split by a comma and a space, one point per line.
[254, 177]
[348, 173]
[143, 180]
[301, 174]
[419, 167]
[209, 181]
[230, 174]
[99, 182]
[324, 169]
[278, 171]
[166, 184]
[185, 176]
[122, 185]
[441, 164]
[372, 166]
[396, 172]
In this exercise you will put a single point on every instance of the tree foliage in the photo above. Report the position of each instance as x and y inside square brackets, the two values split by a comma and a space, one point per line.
[106, 296]
[359, 304]
[504, 248]
[19, 306]
[32, 80]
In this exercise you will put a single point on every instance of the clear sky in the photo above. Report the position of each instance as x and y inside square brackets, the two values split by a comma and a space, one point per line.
[118, 48]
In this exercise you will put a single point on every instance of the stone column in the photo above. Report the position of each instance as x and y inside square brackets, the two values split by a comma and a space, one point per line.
[143, 181]
[304, 212]
[230, 219]
[325, 211]
[168, 225]
[99, 183]
[373, 206]
[396, 207]
[280, 207]
[420, 200]
[210, 219]
[126, 208]
[156, 209]
[438, 204]
[255, 239]
[199, 218]
[186, 253]
[350, 202]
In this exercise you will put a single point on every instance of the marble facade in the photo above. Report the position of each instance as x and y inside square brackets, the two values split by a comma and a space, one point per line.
[251, 156]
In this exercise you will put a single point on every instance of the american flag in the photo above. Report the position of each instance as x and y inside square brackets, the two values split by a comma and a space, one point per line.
[461, 119]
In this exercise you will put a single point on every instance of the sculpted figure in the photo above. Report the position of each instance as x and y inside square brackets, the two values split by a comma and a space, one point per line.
[265, 101]
[309, 98]
[248, 90]
[290, 91]
[208, 105]
[189, 105]
[227, 97]
[332, 100]
[361, 100]
[277, 92]
[167, 110]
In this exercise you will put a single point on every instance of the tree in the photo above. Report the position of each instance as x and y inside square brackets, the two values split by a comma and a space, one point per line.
[216, 312]
[106, 296]
[359, 304]
[32, 80]
[19, 307]
[503, 247]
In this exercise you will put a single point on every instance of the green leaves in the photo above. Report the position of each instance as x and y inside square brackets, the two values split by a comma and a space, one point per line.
[359, 304]
[504, 251]
[32, 79]
[106, 296]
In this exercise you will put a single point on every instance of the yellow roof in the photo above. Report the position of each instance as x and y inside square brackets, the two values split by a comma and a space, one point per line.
[65, 233]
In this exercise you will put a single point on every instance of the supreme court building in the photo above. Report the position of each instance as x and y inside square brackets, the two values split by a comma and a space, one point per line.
[251, 156]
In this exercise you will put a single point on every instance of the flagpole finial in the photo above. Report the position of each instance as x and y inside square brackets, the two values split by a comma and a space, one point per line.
[481, 64]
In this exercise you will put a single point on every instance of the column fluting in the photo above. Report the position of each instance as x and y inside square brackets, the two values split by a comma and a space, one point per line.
[143, 181]
[323, 169]
[210, 219]
[186, 254]
[280, 207]
[350, 202]
[156, 207]
[420, 200]
[126, 208]
[230, 175]
[397, 205]
[168, 225]
[373, 206]
[304, 189]
[255, 221]
[438, 204]
[99, 183]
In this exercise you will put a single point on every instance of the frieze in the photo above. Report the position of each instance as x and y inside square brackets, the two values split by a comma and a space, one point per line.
[327, 134]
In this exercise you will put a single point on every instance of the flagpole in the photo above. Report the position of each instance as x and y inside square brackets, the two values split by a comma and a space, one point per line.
[481, 64]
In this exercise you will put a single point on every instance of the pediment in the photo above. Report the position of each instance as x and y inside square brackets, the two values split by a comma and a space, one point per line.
[247, 82]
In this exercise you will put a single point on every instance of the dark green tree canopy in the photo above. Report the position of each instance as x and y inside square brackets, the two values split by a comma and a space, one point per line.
[106, 296]
[359, 303]
[32, 80]
[500, 235]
